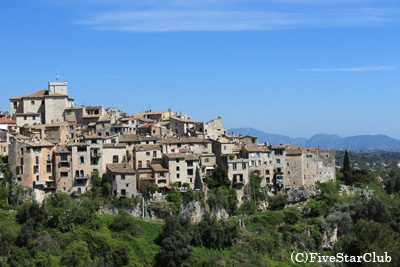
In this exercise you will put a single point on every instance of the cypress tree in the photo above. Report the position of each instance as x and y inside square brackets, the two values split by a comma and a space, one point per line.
[347, 168]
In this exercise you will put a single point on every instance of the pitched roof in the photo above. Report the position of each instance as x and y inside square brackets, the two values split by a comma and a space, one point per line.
[158, 168]
[117, 145]
[6, 121]
[147, 147]
[294, 150]
[174, 155]
[39, 143]
[183, 119]
[186, 140]
[120, 168]
[191, 157]
[39, 94]
[136, 138]
[257, 148]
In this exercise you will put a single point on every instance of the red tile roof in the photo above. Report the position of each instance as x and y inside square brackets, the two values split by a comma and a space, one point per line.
[6, 121]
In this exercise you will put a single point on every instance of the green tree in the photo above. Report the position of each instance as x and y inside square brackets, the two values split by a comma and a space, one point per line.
[174, 199]
[174, 240]
[219, 178]
[151, 188]
[124, 223]
[76, 254]
[95, 179]
[347, 172]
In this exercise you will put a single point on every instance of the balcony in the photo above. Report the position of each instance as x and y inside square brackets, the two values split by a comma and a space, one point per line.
[84, 177]
[95, 155]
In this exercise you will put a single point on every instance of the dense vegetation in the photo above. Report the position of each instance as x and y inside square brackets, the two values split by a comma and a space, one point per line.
[69, 231]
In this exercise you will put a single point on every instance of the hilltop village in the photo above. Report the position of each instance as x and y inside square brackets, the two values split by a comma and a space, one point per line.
[53, 145]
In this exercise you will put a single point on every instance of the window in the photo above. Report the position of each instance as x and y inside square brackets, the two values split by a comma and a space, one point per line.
[265, 163]
[309, 156]
[68, 112]
[278, 152]
[140, 164]
[147, 154]
[113, 177]
[63, 157]
[82, 160]
[234, 166]
[15, 105]
[278, 161]
[63, 174]
[177, 168]
[190, 163]
[177, 160]
[287, 164]
[53, 136]
[48, 157]
[206, 160]
[123, 192]
[22, 162]
[32, 102]
[37, 177]
[148, 163]
[48, 168]
[243, 166]
[224, 147]
[190, 171]
[122, 177]
[154, 154]
[115, 159]
[25, 117]
[37, 160]
[177, 176]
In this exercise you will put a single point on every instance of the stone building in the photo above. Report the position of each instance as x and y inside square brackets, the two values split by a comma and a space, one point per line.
[122, 178]
[214, 129]
[195, 145]
[111, 154]
[45, 106]
[31, 163]
[72, 168]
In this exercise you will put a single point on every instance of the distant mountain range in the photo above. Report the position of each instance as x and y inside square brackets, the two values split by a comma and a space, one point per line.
[330, 141]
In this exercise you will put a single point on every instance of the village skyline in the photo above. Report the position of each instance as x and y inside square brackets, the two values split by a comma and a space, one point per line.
[295, 68]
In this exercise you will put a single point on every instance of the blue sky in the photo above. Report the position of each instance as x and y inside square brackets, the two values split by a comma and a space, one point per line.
[292, 67]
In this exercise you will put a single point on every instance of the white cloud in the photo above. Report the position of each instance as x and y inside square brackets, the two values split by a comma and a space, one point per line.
[230, 15]
[356, 69]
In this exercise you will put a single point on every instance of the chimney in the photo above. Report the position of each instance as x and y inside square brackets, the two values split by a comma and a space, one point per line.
[233, 133]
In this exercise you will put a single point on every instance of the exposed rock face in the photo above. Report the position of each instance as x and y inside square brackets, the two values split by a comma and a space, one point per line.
[330, 238]
[298, 194]
[194, 211]
[219, 213]
[262, 206]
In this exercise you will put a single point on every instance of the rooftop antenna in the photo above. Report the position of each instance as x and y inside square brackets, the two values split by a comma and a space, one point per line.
[57, 76]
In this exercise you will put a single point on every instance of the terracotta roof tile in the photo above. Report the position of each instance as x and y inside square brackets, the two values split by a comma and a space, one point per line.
[158, 168]
[120, 168]
[174, 155]
[6, 121]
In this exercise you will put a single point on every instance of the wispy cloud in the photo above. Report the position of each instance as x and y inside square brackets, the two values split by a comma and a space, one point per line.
[232, 15]
[356, 69]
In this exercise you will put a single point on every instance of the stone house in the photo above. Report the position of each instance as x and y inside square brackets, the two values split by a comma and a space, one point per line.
[45, 106]
[72, 168]
[214, 129]
[194, 144]
[143, 155]
[122, 178]
[31, 162]
[112, 154]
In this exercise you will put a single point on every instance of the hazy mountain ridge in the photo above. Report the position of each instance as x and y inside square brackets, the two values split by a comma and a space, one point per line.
[331, 141]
